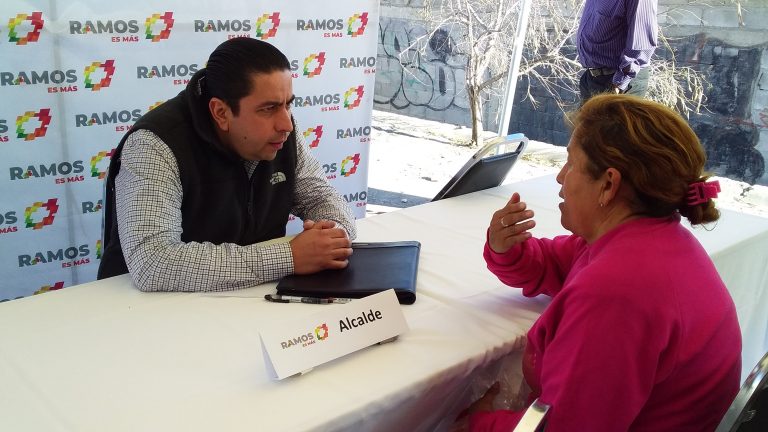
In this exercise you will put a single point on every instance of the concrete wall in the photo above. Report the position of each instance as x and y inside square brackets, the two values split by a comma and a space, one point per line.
[707, 36]
[417, 75]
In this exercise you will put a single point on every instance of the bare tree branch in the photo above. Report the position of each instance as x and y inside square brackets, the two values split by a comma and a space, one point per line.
[483, 32]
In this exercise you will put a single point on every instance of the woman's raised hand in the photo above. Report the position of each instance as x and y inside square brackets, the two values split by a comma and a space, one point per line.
[510, 225]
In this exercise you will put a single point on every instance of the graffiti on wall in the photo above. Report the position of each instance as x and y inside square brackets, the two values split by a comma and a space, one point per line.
[730, 126]
[730, 129]
[418, 70]
[419, 73]
[731, 150]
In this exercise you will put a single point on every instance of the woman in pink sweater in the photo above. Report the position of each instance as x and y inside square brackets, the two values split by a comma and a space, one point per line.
[641, 333]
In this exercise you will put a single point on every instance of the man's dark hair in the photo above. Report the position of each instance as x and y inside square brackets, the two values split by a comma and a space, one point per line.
[231, 65]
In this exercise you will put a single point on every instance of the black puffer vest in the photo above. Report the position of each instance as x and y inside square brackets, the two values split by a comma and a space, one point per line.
[220, 204]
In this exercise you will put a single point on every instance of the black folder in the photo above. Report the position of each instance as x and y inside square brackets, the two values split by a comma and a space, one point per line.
[373, 268]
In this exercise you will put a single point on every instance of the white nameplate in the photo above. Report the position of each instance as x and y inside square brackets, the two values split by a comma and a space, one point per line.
[338, 329]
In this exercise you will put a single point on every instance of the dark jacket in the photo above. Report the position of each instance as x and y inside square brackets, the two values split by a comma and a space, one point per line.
[220, 204]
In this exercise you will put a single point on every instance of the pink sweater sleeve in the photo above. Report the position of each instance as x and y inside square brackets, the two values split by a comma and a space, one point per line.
[538, 266]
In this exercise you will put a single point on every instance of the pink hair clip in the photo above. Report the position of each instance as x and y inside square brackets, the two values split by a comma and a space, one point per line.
[701, 192]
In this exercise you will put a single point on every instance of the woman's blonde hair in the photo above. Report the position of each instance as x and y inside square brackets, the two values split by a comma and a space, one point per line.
[655, 150]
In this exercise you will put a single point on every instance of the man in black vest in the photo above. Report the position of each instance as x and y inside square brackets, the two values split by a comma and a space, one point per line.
[200, 181]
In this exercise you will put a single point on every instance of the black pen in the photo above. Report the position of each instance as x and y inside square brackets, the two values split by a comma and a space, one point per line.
[277, 298]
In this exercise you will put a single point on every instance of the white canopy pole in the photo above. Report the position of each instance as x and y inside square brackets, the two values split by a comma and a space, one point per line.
[514, 65]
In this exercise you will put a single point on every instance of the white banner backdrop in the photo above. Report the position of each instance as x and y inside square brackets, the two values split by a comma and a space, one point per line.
[76, 74]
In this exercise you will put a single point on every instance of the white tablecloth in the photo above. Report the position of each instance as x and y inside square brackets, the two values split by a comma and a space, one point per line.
[104, 356]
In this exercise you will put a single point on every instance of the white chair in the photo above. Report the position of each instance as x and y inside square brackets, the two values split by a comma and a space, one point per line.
[487, 168]
[749, 410]
[533, 419]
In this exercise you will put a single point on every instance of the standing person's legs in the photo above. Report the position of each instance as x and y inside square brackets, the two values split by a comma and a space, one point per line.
[639, 84]
[592, 85]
